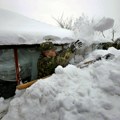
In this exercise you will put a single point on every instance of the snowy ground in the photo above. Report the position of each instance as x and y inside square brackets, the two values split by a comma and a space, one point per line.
[90, 93]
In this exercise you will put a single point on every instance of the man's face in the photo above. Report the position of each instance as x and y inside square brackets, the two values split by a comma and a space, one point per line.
[50, 53]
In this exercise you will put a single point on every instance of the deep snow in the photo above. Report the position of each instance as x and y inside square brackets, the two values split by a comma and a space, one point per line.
[72, 93]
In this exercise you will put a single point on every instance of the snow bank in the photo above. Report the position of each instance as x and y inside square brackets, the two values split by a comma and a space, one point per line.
[4, 104]
[18, 29]
[99, 53]
[73, 94]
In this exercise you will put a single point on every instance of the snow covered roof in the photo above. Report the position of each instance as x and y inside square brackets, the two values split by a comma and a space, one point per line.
[16, 29]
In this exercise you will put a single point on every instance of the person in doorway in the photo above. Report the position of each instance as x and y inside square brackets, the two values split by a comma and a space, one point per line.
[50, 59]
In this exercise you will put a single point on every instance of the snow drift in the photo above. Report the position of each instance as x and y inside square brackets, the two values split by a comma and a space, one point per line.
[73, 93]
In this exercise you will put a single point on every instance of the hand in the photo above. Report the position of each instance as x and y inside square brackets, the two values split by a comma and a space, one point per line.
[75, 45]
[78, 43]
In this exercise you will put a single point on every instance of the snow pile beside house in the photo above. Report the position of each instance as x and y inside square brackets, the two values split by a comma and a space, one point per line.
[73, 94]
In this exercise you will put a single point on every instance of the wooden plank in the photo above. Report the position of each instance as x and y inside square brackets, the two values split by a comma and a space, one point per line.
[25, 85]
[28, 84]
[18, 46]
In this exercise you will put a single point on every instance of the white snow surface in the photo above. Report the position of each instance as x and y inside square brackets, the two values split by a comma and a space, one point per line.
[71, 93]
[18, 29]
[91, 32]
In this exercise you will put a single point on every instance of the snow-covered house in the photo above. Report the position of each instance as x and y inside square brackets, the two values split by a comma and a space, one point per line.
[19, 36]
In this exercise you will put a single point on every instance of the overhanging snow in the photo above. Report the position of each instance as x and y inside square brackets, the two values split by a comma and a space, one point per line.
[16, 29]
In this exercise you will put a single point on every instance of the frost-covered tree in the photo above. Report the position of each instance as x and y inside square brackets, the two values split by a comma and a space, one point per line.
[114, 31]
[103, 25]
[83, 28]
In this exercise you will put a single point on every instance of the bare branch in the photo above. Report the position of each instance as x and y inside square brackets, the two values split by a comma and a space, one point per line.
[64, 23]
[103, 34]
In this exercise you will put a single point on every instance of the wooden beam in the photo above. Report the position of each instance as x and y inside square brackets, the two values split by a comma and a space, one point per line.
[16, 66]
[18, 46]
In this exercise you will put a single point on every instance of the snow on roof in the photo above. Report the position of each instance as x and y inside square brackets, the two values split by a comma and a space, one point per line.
[18, 29]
